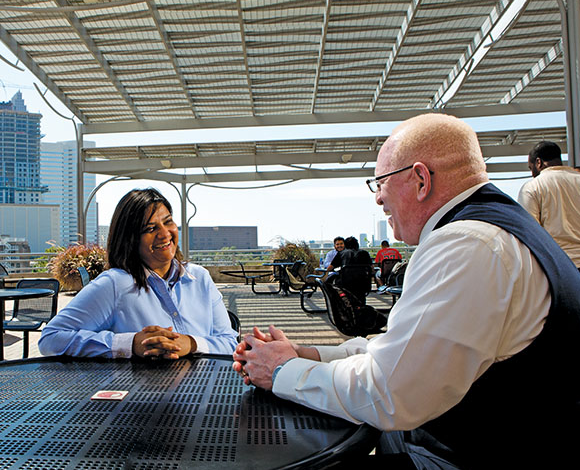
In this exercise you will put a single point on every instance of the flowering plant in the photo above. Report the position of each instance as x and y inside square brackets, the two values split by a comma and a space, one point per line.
[64, 265]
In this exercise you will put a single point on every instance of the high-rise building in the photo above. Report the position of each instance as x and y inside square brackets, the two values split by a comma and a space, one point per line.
[19, 153]
[381, 231]
[58, 171]
[104, 235]
[33, 224]
[363, 240]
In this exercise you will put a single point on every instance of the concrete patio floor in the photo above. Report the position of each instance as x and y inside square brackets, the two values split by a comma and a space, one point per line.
[253, 310]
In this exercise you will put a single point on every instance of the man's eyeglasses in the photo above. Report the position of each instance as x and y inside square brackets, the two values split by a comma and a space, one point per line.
[373, 183]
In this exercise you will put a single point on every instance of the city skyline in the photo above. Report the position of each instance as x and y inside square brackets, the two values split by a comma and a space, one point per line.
[38, 182]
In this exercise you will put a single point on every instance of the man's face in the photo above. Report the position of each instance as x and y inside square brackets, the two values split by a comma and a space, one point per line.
[339, 245]
[392, 195]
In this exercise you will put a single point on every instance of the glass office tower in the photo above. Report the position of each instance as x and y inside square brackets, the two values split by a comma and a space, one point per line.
[19, 153]
[58, 171]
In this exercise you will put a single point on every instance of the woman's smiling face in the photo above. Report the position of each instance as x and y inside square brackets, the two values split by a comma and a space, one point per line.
[159, 239]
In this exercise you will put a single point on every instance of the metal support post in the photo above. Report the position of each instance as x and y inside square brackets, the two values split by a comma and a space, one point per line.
[184, 224]
[81, 214]
[570, 17]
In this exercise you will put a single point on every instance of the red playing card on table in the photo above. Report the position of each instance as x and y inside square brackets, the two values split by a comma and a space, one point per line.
[116, 395]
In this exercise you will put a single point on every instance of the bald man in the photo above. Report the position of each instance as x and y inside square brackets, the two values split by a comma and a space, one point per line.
[480, 359]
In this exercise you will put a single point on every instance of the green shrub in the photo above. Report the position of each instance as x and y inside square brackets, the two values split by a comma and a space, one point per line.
[64, 265]
[42, 263]
[295, 252]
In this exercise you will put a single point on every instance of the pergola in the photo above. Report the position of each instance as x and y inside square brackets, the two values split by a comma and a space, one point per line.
[152, 65]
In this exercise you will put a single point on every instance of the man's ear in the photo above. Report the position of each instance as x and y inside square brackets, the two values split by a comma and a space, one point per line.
[422, 180]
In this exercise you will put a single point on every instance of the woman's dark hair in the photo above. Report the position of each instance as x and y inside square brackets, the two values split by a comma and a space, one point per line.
[129, 219]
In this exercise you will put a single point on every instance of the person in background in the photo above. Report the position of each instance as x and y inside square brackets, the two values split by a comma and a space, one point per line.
[149, 303]
[338, 246]
[351, 255]
[553, 197]
[386, 252]
[478, 366]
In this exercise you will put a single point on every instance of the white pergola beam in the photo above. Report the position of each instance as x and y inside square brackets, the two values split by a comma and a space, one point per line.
[132, 165]
[125, 165]
[394, 52]
[542, 64]
[528, 107]
[212, 178]
[89, 43]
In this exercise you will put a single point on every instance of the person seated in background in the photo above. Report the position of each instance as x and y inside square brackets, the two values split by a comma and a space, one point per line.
[149, 303]
[351, 255]
[338, 246]
[386, 252]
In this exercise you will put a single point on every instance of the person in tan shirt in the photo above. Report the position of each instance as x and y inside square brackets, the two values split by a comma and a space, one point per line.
[552, 197]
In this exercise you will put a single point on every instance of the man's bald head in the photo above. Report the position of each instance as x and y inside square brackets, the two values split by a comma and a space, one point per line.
[445, 144]
[446, 160]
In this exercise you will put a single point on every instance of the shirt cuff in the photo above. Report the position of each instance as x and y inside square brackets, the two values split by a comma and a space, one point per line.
[292, 379]
[122, 345]
[353, 346]
[202, 344]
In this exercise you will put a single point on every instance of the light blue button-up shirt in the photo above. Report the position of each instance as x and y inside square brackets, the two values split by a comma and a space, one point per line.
[329, 257]
[105, 315]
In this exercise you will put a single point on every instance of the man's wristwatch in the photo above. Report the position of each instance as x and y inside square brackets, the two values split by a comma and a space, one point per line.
[278, 368]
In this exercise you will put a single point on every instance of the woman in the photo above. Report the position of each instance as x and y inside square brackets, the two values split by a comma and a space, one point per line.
[148, 303]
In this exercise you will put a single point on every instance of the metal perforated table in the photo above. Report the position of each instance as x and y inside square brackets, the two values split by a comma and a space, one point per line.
[191, 413]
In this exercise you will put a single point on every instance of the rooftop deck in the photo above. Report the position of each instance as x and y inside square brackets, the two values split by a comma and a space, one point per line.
[253, 310]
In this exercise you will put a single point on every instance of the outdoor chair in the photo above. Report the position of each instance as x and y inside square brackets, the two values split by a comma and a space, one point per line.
[30, 314]
[356, 278]
[386, 268]
[305, 284]
[395, 280]
[3, 274]
[236, 324]
[85, 278]
[348, 314]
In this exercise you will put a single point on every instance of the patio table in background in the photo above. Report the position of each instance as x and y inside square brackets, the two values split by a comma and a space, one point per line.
[279, 274]
[191, 413]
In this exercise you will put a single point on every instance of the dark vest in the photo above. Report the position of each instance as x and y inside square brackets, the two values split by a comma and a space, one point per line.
[524, 410]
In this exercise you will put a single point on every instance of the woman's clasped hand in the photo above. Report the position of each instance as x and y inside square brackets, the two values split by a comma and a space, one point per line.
[155, 341]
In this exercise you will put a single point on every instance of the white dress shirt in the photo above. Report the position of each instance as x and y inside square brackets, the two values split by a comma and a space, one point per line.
[472, 295]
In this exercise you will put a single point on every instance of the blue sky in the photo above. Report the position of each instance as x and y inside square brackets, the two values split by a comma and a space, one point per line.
[303, 210]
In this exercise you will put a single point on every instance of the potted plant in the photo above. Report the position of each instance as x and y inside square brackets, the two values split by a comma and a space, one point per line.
[64, 265]
[298, 251]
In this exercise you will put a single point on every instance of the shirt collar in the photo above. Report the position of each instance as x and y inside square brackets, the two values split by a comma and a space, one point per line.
[430, 225]
[177, 272]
